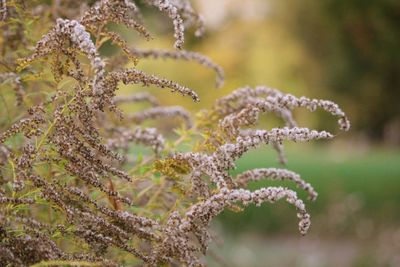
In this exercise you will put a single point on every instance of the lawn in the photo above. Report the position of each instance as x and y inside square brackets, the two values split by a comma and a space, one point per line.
[370, 178]
[355, 220]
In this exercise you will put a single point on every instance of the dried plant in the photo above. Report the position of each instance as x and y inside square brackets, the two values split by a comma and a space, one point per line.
[74, 186]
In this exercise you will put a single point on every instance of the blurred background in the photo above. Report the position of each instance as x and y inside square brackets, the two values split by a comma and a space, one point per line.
[343, 50]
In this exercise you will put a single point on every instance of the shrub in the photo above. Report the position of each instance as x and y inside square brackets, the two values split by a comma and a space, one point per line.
[75, 189]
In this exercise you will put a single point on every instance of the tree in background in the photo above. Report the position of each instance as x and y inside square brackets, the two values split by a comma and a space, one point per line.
[356, 44]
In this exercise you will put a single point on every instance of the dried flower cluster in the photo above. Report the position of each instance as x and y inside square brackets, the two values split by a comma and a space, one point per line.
[3, 10]
[78, 183]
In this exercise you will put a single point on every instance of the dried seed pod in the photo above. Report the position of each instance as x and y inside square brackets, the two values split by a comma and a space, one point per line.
[3, 10]
[160, 112]
[184, 55]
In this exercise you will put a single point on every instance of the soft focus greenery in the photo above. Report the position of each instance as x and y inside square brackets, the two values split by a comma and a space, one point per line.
[355, 218]
[341, 50]
[368, 179]
[355, 44]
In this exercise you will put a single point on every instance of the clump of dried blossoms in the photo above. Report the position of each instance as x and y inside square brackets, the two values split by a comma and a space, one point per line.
[77, 184]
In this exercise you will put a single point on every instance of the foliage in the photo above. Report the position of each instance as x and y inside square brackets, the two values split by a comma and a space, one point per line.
[355, 45]
[76, 189]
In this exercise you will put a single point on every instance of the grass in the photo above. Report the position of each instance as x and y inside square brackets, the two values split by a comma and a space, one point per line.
[355, 220]
[362, 183]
